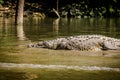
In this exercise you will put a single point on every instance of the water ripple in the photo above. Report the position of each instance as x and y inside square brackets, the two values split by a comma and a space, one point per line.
[91, 68]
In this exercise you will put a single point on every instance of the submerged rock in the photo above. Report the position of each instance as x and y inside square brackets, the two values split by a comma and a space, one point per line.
[82, 42]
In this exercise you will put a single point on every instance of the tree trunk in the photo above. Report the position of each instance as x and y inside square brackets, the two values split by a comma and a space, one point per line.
[57, 5]
[19, 12]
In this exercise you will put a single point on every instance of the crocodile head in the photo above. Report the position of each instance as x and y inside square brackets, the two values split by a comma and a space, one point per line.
[38, 45]
[111, 46]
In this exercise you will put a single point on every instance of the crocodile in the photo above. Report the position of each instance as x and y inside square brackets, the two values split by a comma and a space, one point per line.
[81, 42]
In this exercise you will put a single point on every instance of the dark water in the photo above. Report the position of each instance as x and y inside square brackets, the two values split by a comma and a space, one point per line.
[36, 29]
[39, 28]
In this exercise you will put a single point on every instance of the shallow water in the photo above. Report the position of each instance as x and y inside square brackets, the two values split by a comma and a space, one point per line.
[36, 29]
[89, 68]
[13, 41]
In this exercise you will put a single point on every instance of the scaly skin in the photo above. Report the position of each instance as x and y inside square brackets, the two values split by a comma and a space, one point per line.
[82, 42]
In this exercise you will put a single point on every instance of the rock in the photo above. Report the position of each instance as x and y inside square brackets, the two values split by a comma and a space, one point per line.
[82, 42]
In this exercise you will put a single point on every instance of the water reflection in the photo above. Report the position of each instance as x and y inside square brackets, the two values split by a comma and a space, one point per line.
[4, 24]
[103, 26]
[56, 26]
[36, 28]
[20, 32]
[7, 32]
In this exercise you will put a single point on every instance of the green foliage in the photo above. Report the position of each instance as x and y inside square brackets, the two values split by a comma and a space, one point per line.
[111, 9]
[115, 0]
[90, 8]
[1, 1]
